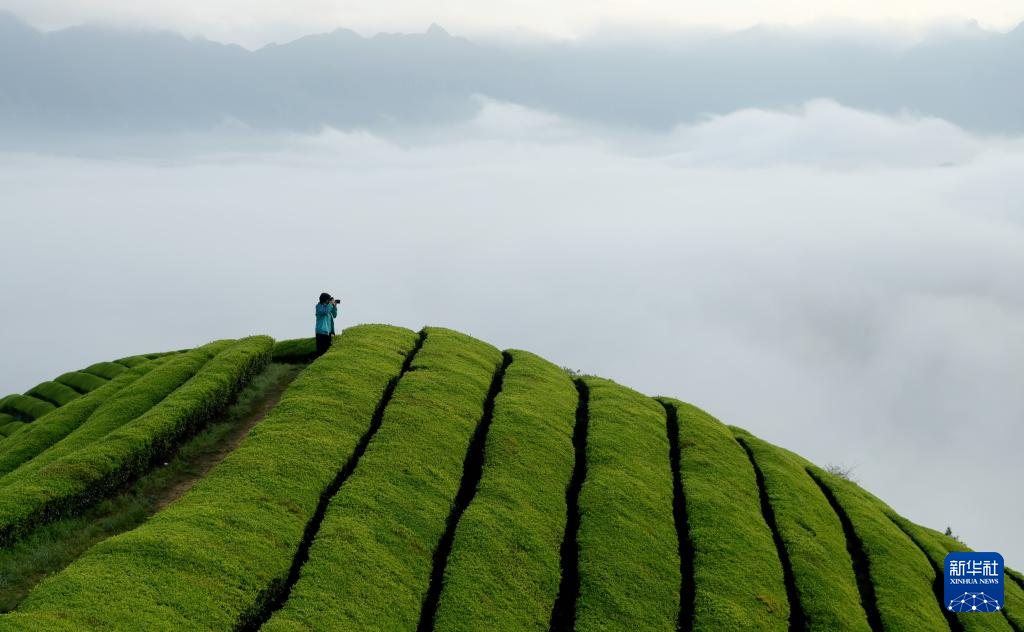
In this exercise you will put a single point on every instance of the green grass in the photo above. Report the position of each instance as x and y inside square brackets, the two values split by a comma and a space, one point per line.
[81, 382]
[26, 407]
[370, 564]
[105, 370]
[504, 568]
[34, 438]
[57, 544]
[299, 350]
[54, 392]
[214, 557]
[813, 537]
[69, 483]
[628, 547]
[902, 576]
[737, 575]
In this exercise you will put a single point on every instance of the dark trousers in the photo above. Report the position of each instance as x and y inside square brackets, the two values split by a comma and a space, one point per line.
[323, 343]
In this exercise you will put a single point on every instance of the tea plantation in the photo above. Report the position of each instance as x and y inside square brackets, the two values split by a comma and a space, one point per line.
[16, 411]
[429, 481]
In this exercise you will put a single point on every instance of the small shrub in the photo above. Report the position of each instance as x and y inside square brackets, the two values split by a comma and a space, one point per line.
[842, 471]
[949, 534]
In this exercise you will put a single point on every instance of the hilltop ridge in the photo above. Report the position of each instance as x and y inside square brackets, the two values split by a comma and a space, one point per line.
[430, 481]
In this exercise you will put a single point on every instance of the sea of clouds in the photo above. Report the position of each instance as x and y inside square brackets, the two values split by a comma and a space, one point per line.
[842, 283]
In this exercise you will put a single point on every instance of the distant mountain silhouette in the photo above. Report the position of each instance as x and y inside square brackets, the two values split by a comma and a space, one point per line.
[90, 79]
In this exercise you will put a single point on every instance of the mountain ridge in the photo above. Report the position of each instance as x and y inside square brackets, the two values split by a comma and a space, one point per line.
[95, 80]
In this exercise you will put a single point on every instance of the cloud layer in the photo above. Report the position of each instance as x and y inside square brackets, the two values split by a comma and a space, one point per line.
[841, 283]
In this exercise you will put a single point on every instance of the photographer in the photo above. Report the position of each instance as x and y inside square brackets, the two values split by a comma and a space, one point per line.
[326, 312]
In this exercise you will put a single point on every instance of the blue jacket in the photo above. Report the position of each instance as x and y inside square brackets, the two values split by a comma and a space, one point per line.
[325, 315]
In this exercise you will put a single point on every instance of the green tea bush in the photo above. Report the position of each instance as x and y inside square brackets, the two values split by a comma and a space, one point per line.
[628, 548]
[105, 370]
[935, 546]
[133, 361]
[377, 541]
[503, 572]
[54, 392]
[81, 382]
[9, 427]
[901, 576]
[65, 484]
[295, 351]
[25, 407]
[1013, 599]
[42, 434]
[128, 404]
[405, 483]
[814, 539]
[212, 559]
[1016, 576]
[737, 574]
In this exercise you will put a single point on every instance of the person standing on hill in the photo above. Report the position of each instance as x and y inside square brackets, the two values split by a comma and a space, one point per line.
[326, 312]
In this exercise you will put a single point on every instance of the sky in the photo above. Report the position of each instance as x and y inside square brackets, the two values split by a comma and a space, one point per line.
[839, 280]
[253, 23]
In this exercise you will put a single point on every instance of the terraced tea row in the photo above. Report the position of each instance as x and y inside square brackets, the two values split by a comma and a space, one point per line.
[431, 482]
[24, 446]
[377, 542]
[628, 564]
[505, 552]
[60, 466]
[17, 411]
[222, 555]
[815, 544]
[936, 551]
